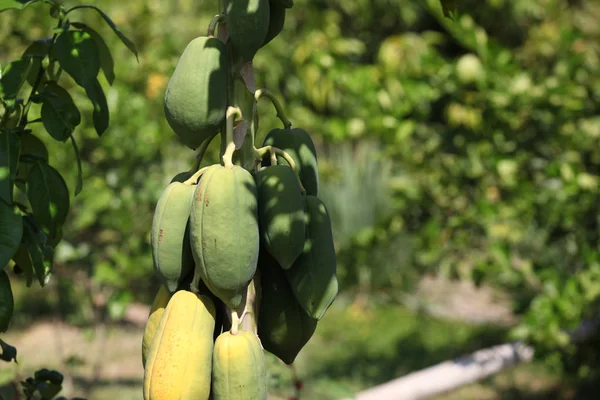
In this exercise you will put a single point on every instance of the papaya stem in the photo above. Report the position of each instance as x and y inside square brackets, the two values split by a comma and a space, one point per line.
[201, 150]
[274, 152]
[232, 113]
[193, 180]
[213, 24]
[235, 322]
[260, 93]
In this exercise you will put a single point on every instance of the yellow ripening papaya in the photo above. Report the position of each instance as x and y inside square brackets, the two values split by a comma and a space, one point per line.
[239, 371]
[179, 363]
[156, 311]
[224, 232]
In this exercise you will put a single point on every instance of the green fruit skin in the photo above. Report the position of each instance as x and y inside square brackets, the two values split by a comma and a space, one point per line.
[171, 251]
[196, 97]
[283, 326]
[298, 144]
[248, 24]
[313, 276]
[281, 213]
[276, 20]
[224, 232]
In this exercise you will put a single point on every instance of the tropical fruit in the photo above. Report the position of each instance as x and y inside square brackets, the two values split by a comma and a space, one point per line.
[298, 144]
[276, 20]
[156, 311]
[283, 326]
[224, 232]
[280, 213]
[179, 362]
[171, 251]
[313, 276]
[247, 23]
[239, 371]
[196, 97]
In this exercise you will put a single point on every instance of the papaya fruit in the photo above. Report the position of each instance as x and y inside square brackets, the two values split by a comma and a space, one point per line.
[171, 251]
[182, 176]
[224, 233]
[196, 96]
[156, 311]
[283, 326]
[248, 24]
[179, 362]
[280, 213]
[298, 144]
[239, 371]
[313, 276]
[276, 20]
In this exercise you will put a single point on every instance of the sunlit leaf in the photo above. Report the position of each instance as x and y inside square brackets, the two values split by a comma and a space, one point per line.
[78, 56]
[106, 60]
[126, 41]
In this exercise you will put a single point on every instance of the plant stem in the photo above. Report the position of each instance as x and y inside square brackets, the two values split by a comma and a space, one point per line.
[201, 150]
[213, 24]
[194, 178]
[274, 152]
[232, 113]
[260, 93]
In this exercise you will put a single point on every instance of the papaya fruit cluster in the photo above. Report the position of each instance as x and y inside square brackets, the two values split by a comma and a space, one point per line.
[243, 248]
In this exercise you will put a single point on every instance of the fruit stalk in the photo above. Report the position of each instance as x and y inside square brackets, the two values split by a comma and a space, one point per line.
[260, 93]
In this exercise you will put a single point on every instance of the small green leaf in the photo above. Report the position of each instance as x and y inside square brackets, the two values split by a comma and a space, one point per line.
[13, 77]
[78, 56]
[35, 241]
[79, 184]
[18, 4]
[9, 353]
[7, 302]
[9, 162]
[126, 41]
[60, 115]
[32, 150]
[107, 63]
[449, 7]
[49, 197]
[101, 114]
[23, 260]
[36, 52]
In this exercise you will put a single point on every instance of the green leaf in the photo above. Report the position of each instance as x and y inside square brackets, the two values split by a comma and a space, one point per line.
[107, 63]
[18, 4]
[7, 302]
[32, 150]
[9, 353]
[36, 52]
[101, 114]
[11, 232]
[13, 77]
[449, 7]
[49, 197]
[9, 162]
[78, 56]
[23, 260]
[126, 41]
[60, 115]
[35, 241]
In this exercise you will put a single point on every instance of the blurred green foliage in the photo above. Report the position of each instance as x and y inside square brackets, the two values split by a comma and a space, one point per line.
[466, 148]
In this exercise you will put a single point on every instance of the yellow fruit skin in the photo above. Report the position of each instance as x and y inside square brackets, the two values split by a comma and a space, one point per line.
[179, 362]
[239, 371]
[158, 307]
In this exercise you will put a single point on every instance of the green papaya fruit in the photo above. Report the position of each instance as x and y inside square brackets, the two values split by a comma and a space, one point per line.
[224, 232]
[196, 96]
[283, 326]
[171, 251]
[313, 276]
[280, 213]
[276, 20]
[298, 144]
[248, 24]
